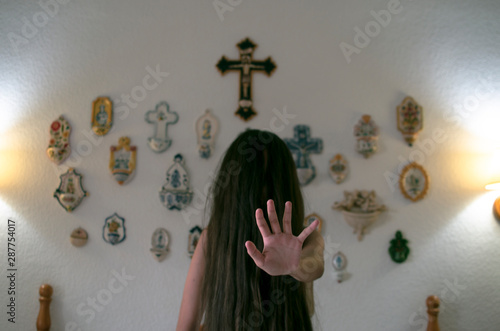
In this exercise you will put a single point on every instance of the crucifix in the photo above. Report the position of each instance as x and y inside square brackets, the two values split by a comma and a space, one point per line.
[301, 146]
[246, 65]
[161, 117]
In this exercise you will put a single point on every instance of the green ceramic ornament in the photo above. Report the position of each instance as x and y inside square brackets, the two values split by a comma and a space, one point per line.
[399, 250]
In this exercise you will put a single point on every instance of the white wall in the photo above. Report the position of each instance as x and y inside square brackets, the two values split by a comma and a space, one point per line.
[443, 53]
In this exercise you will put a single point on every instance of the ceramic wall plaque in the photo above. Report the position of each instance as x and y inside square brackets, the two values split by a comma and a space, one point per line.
[59, 148]
[310, 218]
[175, 194]
[246, 65]
[414, 182]
[410, 119]
[113, 231]
[339, 263]
[207, 127]
[398, 250]
[366, 133]
[360, 209]
[301, 146]
[70, 192]
[161, 118]
[102, 115]
[338, 168]
[194, 237]
[159, 244]
[79, 237]
[122, 161]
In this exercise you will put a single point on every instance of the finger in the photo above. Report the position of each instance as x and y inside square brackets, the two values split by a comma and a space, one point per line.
[307, 231]
[254, 253]
[261, 223]
[287, 218]
[273, 218]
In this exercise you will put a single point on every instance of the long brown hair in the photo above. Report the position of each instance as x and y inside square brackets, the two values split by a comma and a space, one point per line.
[236, 294]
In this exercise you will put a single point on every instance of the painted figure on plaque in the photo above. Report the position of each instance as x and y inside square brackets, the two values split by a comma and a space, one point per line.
[123, 160]
[161, 117]
[175, 194]
[246, 65]
[366, 133]
[398, 249]
[59, 148]
[194, 236]
[339, 263]
[410, 119]
[338, 168]
[159, 243]
[207, 127]
[70, 192]
[102, 116]
[301, 146]
[113, 231]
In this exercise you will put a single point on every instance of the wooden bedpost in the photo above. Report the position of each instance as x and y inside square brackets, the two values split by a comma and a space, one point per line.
[43, 320]
[432, 312]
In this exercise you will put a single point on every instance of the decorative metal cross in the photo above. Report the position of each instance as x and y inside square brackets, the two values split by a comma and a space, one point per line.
[301, 146]
[161, 117]
[246, 65]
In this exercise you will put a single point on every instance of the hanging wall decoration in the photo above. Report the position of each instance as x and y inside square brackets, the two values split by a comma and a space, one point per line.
[102, 116]
[70, 191]
[410, 118]
[301, 146]
[79, 237]
[175, 193]
[399, 250]
[311, 218]
[113, 231]
[207, 127]
[366, 133]
[59, 148]
[246, 65]
[338, 168]
[161, 117]
[194, 237]
[414, 182]
[123, 160]
[359, 209]
[339, 263]
[159, 244]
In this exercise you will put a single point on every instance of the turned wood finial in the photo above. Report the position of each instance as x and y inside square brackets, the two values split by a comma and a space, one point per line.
[432, 312]
[43, 320]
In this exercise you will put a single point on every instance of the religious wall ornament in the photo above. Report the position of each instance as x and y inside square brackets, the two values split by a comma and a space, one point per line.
[301, 146]
[78, 237]
[207, 127]
[414, 182]
[360, 209]
[339, 263]
[59, 148]
[366, 133]
[70, 192]
[398, 250]
[311, 218]
[159, 244]
[122, 161]
[175, 194]
[338, 168]
[161, 118]
[194, 237]
[113, 231]
[246, 65]
[102, 115]
[410, 119]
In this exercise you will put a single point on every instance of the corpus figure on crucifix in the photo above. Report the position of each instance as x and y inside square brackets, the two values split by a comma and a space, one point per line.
[246, 65]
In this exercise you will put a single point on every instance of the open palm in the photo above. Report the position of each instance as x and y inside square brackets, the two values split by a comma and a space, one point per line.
[282, 250]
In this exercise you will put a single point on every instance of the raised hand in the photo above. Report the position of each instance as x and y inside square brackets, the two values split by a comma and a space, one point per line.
[282, 250]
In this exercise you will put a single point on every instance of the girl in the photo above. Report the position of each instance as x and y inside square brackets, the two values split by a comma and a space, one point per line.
[250, 273]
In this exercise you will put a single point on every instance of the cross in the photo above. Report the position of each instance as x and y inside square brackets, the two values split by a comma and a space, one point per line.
[246, 65]
[161, 117]
[301, 146]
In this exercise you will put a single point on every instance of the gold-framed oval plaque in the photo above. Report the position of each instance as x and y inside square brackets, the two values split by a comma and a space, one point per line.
[414, 182]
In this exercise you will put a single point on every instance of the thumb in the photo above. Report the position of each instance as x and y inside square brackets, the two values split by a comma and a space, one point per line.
[254, 253]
